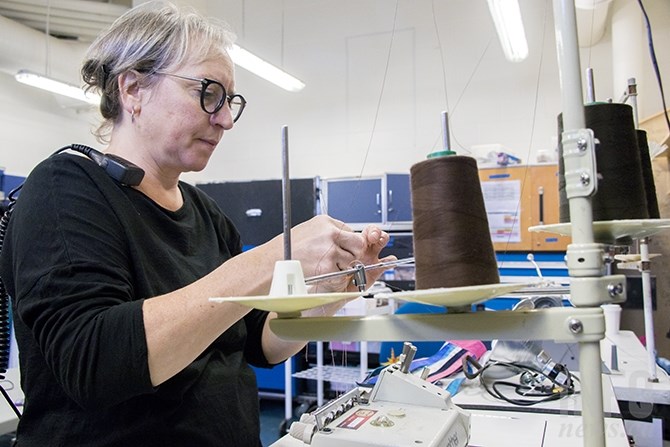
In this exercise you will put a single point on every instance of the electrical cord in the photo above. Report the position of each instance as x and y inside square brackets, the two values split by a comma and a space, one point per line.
[5, 326]
[535, 385]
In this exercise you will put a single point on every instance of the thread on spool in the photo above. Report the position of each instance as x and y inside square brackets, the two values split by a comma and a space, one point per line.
[452, 241]
[648, 175]
[621, 192]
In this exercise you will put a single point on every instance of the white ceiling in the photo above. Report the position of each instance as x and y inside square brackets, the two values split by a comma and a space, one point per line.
[71, 19]
[84, 19]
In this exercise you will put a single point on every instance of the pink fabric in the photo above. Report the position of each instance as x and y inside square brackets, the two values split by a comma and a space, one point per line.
[475, 348]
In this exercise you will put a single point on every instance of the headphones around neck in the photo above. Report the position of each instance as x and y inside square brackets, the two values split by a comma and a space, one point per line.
[116, 167]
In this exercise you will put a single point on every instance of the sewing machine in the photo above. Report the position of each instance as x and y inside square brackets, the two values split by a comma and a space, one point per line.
[401, 409]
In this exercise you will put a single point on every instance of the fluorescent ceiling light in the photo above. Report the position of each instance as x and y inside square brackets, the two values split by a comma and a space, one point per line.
[54, 86]
[265, 70]
[507, 18]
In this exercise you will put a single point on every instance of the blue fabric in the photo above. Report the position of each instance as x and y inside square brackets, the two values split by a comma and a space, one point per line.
[455, 386]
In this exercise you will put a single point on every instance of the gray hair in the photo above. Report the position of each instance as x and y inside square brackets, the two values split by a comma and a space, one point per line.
[154, 36]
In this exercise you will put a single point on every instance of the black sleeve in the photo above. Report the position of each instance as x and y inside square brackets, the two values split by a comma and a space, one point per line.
[73, 287]
[253, 350]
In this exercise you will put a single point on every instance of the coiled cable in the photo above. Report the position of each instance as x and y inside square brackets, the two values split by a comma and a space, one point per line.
[5, 316]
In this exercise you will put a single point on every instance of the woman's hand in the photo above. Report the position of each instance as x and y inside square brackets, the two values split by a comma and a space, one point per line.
[365, 248]
[325, 245]
[376, 240]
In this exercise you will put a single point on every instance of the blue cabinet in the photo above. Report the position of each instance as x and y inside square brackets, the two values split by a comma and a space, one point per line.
[398, 198]
[383, 200]
[355, 200]
[273, 380]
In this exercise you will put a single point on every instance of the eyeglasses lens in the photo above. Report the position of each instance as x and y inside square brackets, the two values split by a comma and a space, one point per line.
[213, 97]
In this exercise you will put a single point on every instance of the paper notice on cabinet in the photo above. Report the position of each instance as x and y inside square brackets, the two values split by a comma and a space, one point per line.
[501, 199]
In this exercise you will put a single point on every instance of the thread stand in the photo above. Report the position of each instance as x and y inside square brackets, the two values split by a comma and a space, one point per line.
[643, 265]
[584, 324]
[629, 230]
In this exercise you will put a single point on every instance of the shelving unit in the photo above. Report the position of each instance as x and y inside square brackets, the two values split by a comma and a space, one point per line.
[346, 376]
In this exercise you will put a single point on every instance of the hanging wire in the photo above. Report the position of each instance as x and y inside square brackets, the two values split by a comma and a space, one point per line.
[593, 21]
[654, 62]
[244, 18]
[444, 68]
[376, 116]
[532, 128]
[475, 70]
[381, 90]
[281, 46]
[47, 39]
[452, 111]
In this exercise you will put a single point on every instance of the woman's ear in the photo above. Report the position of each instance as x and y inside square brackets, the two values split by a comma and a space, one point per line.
[130, 91]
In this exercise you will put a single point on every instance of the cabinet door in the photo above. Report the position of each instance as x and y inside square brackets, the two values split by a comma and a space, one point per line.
[545, 208]
[398, 198]
[355, 201]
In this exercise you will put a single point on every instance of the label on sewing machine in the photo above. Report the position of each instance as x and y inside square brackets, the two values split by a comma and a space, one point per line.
[357, 419]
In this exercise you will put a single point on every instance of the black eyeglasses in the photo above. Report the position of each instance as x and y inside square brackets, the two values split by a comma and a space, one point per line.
[213, 96]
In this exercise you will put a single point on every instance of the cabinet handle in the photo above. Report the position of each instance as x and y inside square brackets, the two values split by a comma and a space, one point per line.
[254, 212]
[540, 192]
[379, 203]
[390, 200]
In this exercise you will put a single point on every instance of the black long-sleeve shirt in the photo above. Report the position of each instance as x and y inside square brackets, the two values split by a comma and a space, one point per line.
[81, 254]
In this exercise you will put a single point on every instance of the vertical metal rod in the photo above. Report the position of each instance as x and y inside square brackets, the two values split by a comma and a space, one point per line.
[592, 394]
[445, 131]
[319, 373]
[364, 360]
[632, 95]
[648, 310]
[581, 212]
[286, 212]
[590, 86]
[286, 196]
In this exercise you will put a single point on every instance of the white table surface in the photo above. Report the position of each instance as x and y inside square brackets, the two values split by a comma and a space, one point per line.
[630, 381]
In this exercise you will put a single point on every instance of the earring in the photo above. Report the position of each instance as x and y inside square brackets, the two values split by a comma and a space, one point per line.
[132, 115]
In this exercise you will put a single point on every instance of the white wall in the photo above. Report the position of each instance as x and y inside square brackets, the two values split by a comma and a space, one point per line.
[34, 124]
[356, 117]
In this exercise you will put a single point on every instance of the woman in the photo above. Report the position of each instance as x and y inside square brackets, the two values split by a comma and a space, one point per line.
[119, 344]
